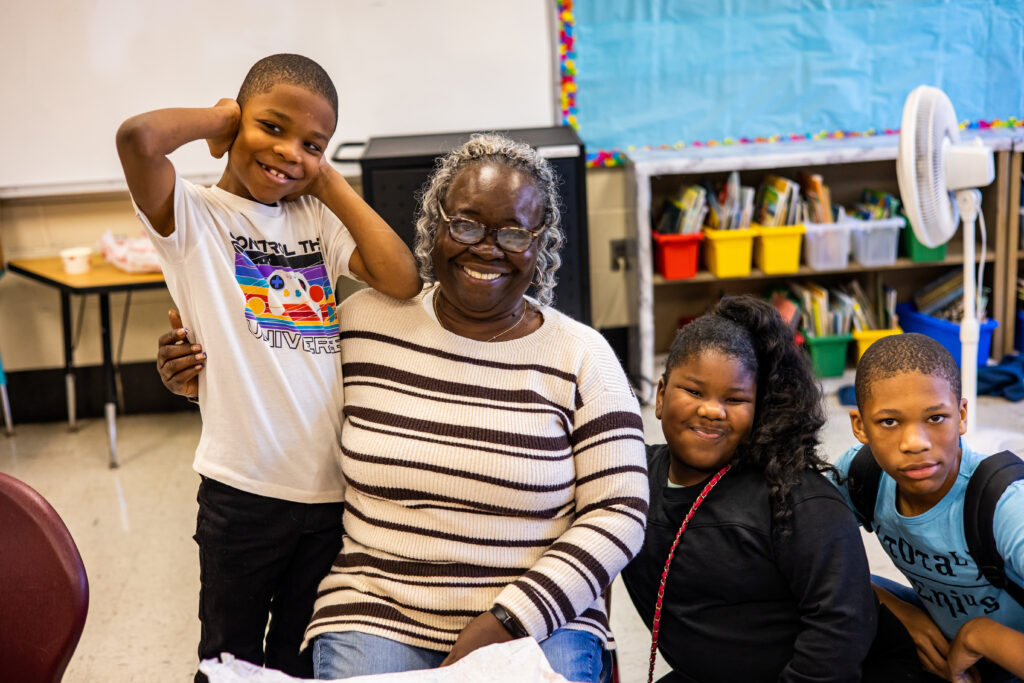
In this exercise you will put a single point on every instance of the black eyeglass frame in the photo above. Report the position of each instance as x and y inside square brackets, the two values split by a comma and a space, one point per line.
[487, 229]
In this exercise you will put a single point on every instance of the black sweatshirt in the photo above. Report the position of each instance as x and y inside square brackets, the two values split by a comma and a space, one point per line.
[741, 606]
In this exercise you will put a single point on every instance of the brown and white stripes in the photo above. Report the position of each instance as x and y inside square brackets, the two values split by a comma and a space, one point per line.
[509, 472]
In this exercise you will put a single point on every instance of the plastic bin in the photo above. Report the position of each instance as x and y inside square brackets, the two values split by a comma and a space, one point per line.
[828, 354]
[827, 245]
[875, 242]
[676, 255]
[866, 338]
[728, 253]
[777, 250]
[945, 332]
[917, 252]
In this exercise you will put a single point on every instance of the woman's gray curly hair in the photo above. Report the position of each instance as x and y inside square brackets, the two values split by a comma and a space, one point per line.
[498, 149]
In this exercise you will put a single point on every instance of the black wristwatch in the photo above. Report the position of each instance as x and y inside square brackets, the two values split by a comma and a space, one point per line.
[511, 624]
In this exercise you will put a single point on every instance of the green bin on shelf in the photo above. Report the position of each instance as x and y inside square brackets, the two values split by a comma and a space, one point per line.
[917, 252]
[828, 354]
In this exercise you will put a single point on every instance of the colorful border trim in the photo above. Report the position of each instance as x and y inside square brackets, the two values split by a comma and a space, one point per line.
[617, 157]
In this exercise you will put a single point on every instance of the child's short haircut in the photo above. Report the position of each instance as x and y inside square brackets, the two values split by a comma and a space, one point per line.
[291, 69]
[899, 354]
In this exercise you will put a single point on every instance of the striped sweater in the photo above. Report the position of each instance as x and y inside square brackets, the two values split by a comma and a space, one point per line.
[480, 473]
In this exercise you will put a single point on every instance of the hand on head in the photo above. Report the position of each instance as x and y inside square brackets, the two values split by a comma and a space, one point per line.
[221, 144]
[179, 362]
[317, 183]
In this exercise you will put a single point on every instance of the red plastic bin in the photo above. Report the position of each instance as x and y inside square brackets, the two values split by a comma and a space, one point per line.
[676, 255]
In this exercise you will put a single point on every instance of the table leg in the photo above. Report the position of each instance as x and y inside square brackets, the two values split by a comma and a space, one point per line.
[5, 403]
[69, 359]
[108, 371]
[8, 423]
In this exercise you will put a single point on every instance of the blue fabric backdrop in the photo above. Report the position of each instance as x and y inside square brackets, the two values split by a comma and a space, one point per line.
[653, 72]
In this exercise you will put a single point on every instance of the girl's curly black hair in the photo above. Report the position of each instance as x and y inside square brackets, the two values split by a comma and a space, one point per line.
[788, 411]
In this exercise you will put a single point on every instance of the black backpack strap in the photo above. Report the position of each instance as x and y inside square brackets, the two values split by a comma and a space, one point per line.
[988, 483]
[862, 484]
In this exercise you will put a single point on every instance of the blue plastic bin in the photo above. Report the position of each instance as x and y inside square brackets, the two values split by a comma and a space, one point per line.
[945, 332]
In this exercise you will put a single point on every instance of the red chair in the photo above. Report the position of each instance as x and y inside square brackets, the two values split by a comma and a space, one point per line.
[44, 592]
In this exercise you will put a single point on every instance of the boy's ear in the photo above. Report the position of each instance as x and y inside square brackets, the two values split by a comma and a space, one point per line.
[963, 416]
[660, 397]
[857, 423]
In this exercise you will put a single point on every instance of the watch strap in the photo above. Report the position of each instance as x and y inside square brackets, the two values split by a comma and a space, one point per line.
[511, 624]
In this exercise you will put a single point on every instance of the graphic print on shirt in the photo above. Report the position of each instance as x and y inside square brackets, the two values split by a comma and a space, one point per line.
[289, 300]
[949, 581]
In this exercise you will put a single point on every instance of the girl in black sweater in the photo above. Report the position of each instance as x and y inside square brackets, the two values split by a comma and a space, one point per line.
[769, 582]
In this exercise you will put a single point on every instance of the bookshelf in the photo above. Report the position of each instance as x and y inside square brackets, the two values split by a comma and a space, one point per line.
[848, 166]
[1014, 248]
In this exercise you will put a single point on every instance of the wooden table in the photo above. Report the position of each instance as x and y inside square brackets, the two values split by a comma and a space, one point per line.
[103, 278]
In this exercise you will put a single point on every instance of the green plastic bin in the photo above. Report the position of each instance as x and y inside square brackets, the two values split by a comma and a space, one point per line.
[828, 354]
[917, 252]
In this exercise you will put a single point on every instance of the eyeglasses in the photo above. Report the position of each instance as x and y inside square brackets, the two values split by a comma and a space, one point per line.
[508, 238]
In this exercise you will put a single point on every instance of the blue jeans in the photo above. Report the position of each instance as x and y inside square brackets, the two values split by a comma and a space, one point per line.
[576, 655]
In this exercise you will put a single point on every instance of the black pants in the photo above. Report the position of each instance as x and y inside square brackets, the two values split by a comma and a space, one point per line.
[261, 557]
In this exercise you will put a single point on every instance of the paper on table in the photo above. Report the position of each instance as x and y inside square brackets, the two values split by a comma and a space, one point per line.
[517, 661]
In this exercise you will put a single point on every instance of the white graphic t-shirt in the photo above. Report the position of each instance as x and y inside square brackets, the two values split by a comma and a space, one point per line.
[255, 286]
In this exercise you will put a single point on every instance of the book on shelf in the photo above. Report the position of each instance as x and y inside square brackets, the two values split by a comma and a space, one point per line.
[685, 213]
[775, 201]
[817, 196]
[939, 292]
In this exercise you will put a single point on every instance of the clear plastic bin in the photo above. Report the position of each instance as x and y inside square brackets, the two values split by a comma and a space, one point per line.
[827, 245]
[875, 242]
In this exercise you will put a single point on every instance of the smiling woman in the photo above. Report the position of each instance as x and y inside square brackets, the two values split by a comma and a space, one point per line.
[492, 447]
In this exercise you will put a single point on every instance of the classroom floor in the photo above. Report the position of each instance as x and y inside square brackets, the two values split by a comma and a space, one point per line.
[134, 526]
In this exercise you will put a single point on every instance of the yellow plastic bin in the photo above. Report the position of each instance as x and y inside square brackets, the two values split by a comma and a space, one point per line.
[866, 338]
[728, 253]
[777, 250]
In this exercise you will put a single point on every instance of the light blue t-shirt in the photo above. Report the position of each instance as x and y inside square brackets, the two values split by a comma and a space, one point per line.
[931, 549]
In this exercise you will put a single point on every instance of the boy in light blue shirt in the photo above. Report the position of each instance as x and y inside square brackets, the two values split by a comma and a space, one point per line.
[912, 416]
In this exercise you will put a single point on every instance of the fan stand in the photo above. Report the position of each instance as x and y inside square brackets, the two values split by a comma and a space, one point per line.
[987, 440]
[969, 201]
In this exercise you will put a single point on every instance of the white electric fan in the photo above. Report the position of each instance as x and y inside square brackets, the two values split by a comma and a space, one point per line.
[938, 177]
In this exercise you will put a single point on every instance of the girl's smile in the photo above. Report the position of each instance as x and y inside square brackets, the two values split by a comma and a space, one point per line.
[706, 407]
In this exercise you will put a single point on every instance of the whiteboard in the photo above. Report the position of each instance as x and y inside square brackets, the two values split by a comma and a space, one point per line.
[72, 70]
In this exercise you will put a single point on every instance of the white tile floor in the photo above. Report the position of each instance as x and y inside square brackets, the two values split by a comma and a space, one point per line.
[134, 529]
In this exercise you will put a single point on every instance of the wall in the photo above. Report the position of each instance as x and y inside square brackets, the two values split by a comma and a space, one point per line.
[79, 68]
[30, 330]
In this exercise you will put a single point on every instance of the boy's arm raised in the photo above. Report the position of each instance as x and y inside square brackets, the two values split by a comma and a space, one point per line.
[144, 141]
[381, 258]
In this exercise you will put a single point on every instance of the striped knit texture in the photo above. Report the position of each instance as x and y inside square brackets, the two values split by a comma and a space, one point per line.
[510, 472]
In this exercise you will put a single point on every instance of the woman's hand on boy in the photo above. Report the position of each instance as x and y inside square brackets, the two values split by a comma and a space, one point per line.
[221, 143]
[179, 362]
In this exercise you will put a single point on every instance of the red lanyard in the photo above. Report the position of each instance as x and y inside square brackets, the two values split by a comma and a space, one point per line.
[668, 563]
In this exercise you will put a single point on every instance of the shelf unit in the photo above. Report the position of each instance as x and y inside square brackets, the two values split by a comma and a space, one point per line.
[1014, 249]
[848, 166]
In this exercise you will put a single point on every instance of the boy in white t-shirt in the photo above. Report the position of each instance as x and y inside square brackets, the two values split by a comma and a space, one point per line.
[252, 263]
